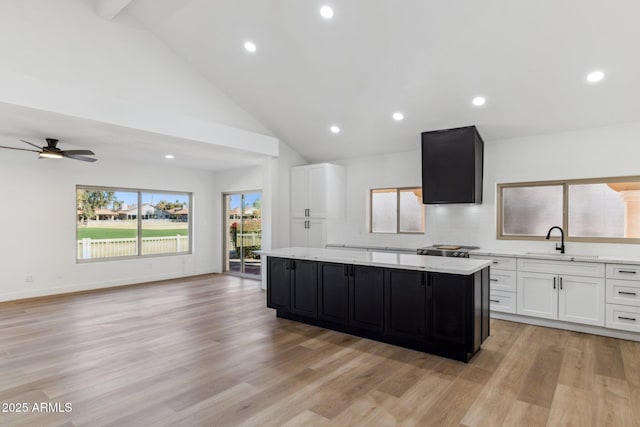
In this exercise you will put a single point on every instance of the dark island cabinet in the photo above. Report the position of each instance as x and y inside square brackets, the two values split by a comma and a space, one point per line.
[366, 307]
[333, 292]
[351, 295]
[304, 288]
[279, 283]
[440, 313]
[406, 304]
[451, 309]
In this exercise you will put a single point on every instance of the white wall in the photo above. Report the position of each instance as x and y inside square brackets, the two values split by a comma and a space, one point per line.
[67, 60]
[39, 228]
[64, 44]
[600, 152]
[363, 174]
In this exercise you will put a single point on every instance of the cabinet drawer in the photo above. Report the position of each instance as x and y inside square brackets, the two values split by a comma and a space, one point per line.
[502, 280]
[499, 262]
[502, 301]
[623, 292]
[624, 272]
[623, 317]
[576, 268]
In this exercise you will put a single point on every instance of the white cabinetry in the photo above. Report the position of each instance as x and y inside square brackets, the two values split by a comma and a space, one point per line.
[317, 201]
[623, 297]
[563, 290]
[502, 283]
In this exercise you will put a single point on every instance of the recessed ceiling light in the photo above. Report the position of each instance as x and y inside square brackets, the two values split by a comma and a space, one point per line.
[326, 12]
[169, 156]
[595, 76]
[250, 47]
[335, 129]
[398, 116]
[478, 101]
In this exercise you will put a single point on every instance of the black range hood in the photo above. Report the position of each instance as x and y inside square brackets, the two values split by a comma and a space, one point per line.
[452, 166]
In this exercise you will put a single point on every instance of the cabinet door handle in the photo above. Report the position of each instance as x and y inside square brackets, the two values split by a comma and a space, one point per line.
[494, 280]
[627, 318]
[495, 262]
[627, 271]
[306, 212]
[627, 293]
[554, 283]
[561, 283]
[494, 300]
[346, 270]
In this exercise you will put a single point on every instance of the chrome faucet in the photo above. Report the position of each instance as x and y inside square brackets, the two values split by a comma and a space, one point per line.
[561, 247]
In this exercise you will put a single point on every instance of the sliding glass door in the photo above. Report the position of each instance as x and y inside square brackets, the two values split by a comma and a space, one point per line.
[243, 233]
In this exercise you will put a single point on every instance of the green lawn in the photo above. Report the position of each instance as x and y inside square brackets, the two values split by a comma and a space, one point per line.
[123, 233]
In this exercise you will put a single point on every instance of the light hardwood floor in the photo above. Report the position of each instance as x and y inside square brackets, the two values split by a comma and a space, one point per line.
[206, 351]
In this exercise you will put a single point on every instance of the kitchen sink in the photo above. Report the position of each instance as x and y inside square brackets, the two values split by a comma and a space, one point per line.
[557, 255]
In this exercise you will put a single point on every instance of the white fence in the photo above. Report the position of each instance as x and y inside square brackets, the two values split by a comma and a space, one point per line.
[105, 248]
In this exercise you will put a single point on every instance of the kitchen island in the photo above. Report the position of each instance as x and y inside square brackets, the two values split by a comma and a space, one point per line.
[437, 305]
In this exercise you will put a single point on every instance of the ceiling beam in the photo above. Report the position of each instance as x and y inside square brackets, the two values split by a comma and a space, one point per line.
[109, 9]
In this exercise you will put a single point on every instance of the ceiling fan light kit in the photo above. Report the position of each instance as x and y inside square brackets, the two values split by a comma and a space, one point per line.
[51, 151]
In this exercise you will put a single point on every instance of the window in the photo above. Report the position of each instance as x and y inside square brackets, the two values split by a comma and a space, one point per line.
[123, 223]
[397, 210]
[589, 210]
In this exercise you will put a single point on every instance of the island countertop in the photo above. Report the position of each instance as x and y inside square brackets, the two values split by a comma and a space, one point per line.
[451, 265]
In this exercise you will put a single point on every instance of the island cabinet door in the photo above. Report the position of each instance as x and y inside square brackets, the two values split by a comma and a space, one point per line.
[451, 311]
[304, 288]
[406, 304]
[279, 283]
[333, 292]
[366, 308]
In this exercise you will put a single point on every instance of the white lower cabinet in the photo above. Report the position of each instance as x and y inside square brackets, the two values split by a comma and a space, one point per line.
[502, 283]
[563, 297]
[623, 317]
[308, 233]
[581, 300]
[538, 295]
[502, 301]
[623, 297]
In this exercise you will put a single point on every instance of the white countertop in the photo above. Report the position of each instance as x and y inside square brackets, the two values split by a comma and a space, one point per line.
[605, 259]
[463, 266]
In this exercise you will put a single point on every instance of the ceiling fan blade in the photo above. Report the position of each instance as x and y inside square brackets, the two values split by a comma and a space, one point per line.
[79, 152]
[77, 157]
[33, 145]
[21, 149]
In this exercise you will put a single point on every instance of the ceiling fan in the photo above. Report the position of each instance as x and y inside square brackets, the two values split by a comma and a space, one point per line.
[51, 151]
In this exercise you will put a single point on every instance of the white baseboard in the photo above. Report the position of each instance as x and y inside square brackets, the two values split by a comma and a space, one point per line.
[105, 284]
[588, 329]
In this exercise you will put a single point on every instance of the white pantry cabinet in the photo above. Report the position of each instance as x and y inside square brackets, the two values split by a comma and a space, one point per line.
[317, 201]
[310, 233]
[548, 293]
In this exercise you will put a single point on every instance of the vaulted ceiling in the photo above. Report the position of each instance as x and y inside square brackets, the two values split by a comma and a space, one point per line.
[427, 59]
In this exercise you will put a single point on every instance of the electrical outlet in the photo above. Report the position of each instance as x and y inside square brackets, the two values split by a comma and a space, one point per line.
[28, 278]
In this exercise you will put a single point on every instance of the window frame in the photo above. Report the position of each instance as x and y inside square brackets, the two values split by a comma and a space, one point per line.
[565, 209]
[398, 190]
[139, 220]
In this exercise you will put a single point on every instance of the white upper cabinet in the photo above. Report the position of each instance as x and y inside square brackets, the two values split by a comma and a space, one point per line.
[317, 201]
[317, 191]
